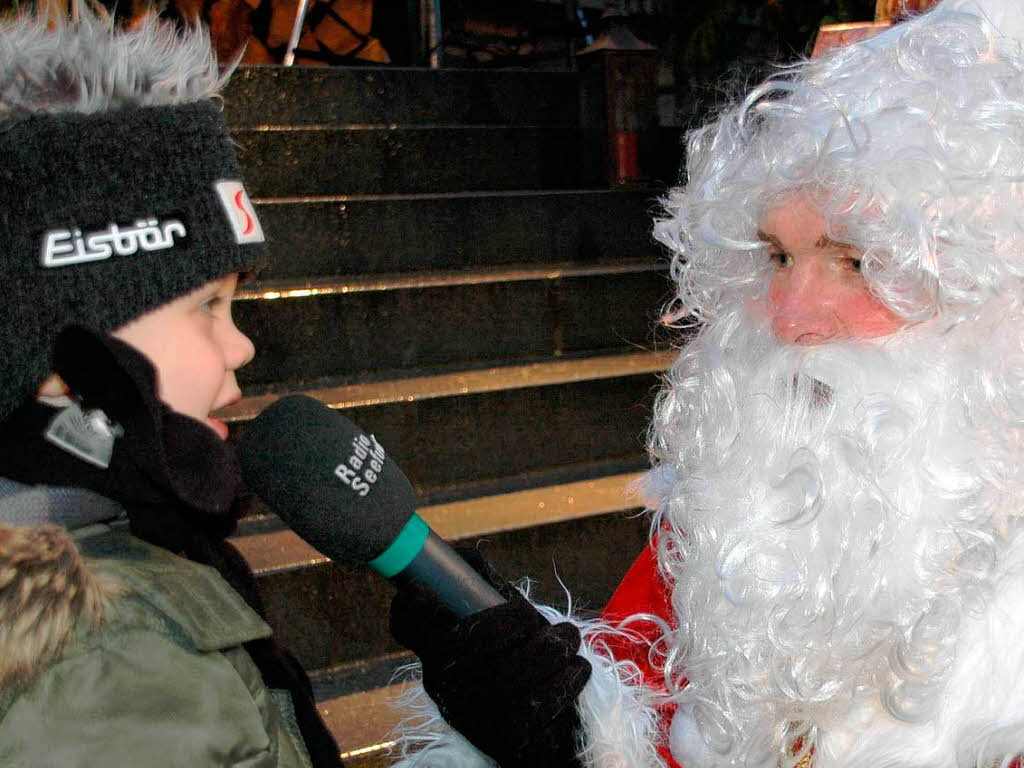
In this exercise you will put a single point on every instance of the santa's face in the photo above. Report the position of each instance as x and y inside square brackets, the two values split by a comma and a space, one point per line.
[818, 293]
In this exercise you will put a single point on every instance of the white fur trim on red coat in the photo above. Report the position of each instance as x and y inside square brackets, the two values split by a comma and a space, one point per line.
[620, 724]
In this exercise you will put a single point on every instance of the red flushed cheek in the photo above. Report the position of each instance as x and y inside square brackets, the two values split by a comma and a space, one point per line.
[864, 317]
[850, 313]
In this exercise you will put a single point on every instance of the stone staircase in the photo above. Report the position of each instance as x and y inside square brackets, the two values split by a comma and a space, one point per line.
[447, 268]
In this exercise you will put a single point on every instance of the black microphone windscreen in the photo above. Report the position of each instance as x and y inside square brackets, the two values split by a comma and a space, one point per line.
[326, 478]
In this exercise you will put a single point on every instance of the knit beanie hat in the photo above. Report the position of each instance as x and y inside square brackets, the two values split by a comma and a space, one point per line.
[107, 215]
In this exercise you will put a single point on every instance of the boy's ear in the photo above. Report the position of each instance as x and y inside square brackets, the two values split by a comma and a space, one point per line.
[53, 386]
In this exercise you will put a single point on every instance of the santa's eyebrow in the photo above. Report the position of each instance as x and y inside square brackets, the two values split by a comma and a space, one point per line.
[762, 235]
[821, 243]
[827, 242]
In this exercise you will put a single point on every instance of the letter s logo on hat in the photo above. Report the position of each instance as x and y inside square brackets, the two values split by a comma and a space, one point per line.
[240, 213]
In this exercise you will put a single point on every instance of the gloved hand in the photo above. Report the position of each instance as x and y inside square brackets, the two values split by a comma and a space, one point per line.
[504, 678]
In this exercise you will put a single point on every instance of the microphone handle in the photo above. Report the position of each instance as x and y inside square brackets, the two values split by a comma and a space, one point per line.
[439, 569]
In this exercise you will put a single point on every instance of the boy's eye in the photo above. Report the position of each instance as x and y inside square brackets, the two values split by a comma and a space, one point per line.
[211, 305]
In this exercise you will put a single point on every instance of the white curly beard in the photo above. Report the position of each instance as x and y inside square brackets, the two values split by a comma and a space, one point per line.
[842, 538]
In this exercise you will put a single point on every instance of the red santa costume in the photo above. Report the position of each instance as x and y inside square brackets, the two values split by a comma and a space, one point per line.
[836, 573]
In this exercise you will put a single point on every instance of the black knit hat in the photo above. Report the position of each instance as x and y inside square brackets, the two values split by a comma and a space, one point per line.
[106, 216]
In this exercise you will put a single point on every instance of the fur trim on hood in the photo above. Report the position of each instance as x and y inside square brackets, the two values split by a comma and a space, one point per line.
[46, 587]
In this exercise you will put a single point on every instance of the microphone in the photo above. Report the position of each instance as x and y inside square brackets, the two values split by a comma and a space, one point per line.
[337, 488]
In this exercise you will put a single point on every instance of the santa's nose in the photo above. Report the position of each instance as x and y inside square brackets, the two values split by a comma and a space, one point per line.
[805, 328]
[802, 314]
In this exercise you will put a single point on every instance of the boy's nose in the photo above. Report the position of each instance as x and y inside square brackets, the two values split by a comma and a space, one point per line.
[802, 312]
[241, 350]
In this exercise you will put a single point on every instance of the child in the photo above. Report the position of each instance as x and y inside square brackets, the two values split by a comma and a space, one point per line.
[123, 230]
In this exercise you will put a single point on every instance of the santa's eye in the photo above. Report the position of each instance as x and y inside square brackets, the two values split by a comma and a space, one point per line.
[780, 258]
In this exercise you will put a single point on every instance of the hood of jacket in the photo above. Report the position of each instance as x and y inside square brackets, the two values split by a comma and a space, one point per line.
[46, 584]
[63, 570]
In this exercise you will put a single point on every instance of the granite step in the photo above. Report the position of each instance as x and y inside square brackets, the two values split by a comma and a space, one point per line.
[447, 271]
[366, 718]
[495, 429]
[381, 325]
[462, 382]
[370, 234]
[271, 548]
[379, 159]
[557, 535]
[258, 96]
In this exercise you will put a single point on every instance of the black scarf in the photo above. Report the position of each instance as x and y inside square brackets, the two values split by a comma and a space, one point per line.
[178, 482]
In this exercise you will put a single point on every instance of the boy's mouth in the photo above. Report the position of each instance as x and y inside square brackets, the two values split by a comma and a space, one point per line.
[218, 426]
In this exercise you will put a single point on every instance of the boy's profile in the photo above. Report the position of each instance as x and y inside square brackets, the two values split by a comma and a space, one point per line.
[124, 228]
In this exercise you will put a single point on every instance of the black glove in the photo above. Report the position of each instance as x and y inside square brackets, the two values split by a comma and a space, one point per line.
[504, 678]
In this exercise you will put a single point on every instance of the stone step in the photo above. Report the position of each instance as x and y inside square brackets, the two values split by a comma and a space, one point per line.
[463, 382]
[273, 549]
[261, 289]
[555, 535]
[359, 704]
[492, 429]
[258, 96]
[370, 234]
[281, 161]
[379, 326]
[500, 428]
[366, 718]
[447, 271]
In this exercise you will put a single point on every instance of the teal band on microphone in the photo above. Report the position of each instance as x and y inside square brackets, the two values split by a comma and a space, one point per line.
[403, 549]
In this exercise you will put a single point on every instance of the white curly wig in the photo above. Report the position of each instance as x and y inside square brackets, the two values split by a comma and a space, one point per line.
[843, 534]
[913, 141]
[76, 64]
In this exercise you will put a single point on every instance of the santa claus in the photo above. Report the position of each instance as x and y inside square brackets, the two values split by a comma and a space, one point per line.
[836, 570]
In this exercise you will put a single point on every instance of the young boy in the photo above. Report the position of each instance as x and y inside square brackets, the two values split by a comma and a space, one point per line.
[123, 229]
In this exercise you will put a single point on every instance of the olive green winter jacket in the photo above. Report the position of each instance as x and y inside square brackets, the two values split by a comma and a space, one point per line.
[115, 653]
